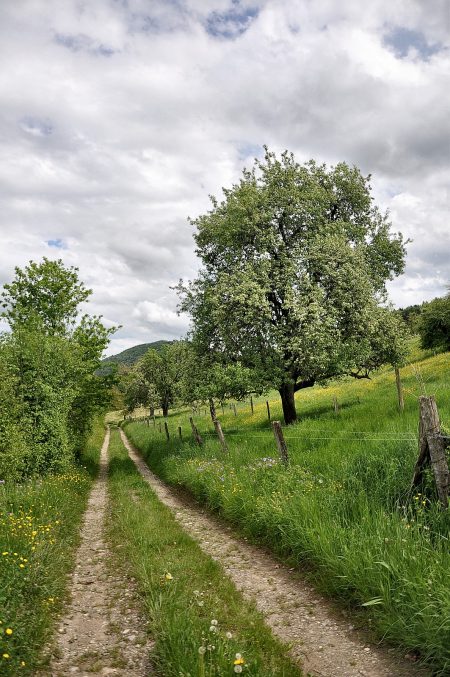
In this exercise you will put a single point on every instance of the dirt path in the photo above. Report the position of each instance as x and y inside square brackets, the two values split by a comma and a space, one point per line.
[101, 633]
[326, 643]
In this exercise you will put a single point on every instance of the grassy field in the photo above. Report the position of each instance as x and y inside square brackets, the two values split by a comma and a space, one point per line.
[201, 625]
[39, 528]
[342, 509]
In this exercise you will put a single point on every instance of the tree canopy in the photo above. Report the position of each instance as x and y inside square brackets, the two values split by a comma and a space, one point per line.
[47, 291]
[295, 260]
[434, 324]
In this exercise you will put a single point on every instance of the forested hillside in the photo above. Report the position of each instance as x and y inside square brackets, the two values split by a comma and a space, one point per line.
[130, 356]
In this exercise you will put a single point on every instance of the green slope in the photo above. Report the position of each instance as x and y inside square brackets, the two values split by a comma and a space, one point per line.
[130, 356]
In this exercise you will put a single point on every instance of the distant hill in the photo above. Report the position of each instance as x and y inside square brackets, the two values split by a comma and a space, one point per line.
[130, 356]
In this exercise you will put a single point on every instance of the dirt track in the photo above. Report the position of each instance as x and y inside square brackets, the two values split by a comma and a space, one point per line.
[101, 632]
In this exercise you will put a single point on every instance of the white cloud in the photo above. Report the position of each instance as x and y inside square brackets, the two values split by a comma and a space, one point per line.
[119, 118]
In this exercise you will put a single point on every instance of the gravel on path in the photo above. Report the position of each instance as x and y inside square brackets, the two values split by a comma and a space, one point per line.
[101, 633]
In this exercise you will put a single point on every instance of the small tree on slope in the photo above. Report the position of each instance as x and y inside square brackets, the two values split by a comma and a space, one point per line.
[295, 261]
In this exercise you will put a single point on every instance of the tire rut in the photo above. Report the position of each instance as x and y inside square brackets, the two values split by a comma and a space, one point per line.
[101, 631]
[326, 643]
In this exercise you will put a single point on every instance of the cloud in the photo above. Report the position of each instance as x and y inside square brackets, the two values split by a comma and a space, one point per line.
[120, 118]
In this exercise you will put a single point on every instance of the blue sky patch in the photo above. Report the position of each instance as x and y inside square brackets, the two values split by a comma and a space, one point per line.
[36, 126]
[83, 43]
[231, 23]
[249, 150]
[57, 244]
[401, 40]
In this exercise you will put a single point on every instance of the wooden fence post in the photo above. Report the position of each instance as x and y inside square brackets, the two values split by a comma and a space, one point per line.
[281, 442]
[268, 409]
[159, 426]
[432, 447]
[223, 408]
[251, 404]
[179, 433]
[220, 435]
[166, 427]
[336, 405]
[401, 402]
[234, 409]
[195, 432]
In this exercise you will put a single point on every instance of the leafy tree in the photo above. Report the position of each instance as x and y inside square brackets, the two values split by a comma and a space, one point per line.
[92, 392]
[295, 260]
[162, 370]
[434, 324]
[411, 315]
[13, 428]
[50, 358]
[138, 392]
[47, 291]
[208, 381]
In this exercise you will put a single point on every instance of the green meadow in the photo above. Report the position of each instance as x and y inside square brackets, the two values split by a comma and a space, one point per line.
[342, 510]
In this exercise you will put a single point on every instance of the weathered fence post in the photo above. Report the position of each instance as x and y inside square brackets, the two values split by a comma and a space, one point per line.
[179, 433]
[251, 404]
[220, 435]
[401, 402]
[223, 408]
[195, 432]
[336, 405]
[234, 409]
[432, 449]
[268, 409]
[159, 426]
[166, 428]
[281, 442]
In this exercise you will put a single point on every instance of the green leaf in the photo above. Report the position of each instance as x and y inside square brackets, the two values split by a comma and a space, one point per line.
[373, 602]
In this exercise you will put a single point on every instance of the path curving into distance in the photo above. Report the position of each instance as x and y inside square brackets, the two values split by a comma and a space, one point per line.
[324, 641]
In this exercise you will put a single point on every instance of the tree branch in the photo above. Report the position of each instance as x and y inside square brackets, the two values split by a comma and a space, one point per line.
[357, 374]
[306, 383]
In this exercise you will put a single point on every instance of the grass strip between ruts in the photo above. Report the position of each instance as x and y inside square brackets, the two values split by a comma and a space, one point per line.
[39, 533]
[200, 623]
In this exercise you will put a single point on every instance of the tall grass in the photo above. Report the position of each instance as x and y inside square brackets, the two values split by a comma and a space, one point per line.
[39, 528]
[342, 507]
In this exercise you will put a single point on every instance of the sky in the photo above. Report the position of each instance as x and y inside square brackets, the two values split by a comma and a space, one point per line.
[119, 118]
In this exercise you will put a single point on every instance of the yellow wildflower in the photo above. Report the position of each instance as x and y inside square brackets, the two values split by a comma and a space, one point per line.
[239, 660]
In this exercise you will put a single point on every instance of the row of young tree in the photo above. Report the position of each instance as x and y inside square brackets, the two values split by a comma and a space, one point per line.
[291, 291]
[49, 390]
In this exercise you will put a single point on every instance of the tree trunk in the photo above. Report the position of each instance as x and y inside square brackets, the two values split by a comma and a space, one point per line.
[288, 402]
[152, 412]
[212, 409]
[165, 409]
